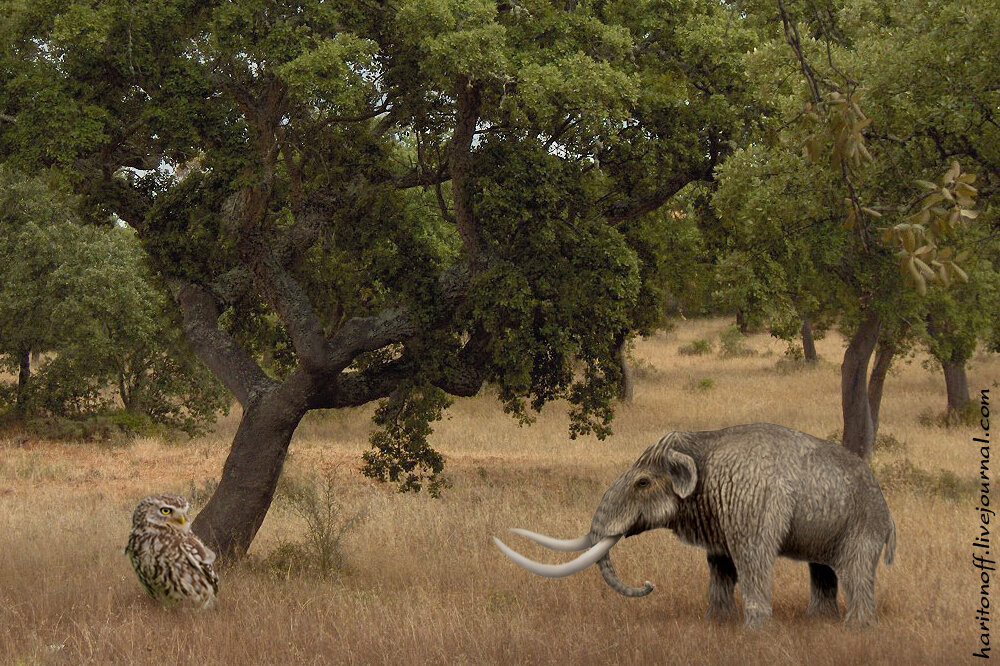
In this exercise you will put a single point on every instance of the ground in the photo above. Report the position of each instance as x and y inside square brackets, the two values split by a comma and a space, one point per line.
[421, 581]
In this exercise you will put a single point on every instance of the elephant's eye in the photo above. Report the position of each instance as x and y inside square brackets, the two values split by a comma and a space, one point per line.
[642, 483]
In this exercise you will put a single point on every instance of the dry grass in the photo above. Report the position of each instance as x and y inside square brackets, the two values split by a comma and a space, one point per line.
[423, 582]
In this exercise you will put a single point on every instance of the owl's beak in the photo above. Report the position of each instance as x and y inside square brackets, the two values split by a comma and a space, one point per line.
[182, 520]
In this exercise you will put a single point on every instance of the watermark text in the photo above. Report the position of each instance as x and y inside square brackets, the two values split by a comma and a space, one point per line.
[982, 559]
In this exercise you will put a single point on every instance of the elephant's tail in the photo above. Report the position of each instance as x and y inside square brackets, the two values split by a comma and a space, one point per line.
[890, 543]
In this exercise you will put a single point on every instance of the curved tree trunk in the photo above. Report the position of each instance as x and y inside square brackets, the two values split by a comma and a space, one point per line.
[956, 383]
[231, 518]
[626, 384]
[880, 369]
[808, 342]
[859, 429]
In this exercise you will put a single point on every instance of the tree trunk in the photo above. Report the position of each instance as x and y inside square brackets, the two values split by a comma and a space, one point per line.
[743, 321]
[880, 369]
[230, 520]
[626, 384]
[808, 342]
[956, 383]
[23, 379]
[859, 429]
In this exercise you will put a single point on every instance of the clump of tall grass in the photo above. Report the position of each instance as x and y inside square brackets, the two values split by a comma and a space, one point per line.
[328, 521]
[951, 418]
[904, 475]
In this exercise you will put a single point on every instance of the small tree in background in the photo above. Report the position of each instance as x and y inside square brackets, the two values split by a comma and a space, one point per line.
[885, 204]
[82, 301]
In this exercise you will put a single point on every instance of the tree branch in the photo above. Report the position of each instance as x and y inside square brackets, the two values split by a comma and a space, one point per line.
[359, 335]
[464, 376]
[220, 352]
[460, 166]
[647, 203]
[288, 299]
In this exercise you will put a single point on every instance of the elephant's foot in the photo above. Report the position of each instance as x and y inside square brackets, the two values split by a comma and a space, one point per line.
[755, 617]
[860, 621]
[824, 609]
[722, 612]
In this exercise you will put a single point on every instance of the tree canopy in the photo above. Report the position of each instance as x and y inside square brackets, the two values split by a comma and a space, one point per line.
[354, 201]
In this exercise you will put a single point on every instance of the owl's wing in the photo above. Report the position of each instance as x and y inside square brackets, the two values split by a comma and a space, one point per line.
[201, 558]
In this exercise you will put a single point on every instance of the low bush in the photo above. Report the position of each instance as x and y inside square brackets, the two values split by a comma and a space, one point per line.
[699, 347]
[732, 343]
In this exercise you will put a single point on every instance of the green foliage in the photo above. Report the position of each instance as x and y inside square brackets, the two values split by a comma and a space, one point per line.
[700, 385]
[546, 302]
[732, 343]
[329, 114]
[872, 126]
[83, 298]
[699, 347]
[400, 451]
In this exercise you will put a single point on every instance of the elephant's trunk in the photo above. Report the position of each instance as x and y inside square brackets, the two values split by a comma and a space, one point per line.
[612, 579]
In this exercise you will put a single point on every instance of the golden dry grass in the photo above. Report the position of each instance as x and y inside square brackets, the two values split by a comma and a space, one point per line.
[424, 583]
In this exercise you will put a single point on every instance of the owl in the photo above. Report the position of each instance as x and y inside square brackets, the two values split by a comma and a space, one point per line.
[172, 563]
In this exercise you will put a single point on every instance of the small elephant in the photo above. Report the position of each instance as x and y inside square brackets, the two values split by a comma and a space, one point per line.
[746, 494]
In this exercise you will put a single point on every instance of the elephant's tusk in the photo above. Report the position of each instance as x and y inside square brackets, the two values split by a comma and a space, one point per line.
[596, 552]
[568, 545]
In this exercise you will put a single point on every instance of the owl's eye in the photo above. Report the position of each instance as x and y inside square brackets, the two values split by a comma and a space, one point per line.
[166, 511]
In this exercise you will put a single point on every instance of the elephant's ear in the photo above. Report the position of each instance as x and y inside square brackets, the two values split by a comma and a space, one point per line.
[682, 472]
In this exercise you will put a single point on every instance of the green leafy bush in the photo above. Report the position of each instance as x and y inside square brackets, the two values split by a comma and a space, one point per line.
[700, 385]
[699, 347]
[732, 343]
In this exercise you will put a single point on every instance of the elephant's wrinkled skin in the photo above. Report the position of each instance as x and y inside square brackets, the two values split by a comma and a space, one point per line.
[747, 494]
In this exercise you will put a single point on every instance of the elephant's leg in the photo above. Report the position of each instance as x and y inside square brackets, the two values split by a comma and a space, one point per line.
[822, 591]
[857, 577]
[755, 571]
[721, 581]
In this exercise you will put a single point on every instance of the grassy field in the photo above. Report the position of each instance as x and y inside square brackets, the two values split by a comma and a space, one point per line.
[422, 582]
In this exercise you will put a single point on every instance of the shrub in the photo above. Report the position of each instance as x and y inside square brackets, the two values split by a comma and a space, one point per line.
[883, 441]
[732, 343]
[700, 385]
[951, 418]
[904, 475]
[699, 347]
[327, 521]
[111, 427]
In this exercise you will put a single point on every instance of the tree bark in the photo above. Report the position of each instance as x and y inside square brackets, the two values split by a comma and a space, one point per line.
[884, 354]
[859, 429]
[808, 342]
[743, 322]
[956, 383]
[23, 379]
[236, 510]
[626, 384]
